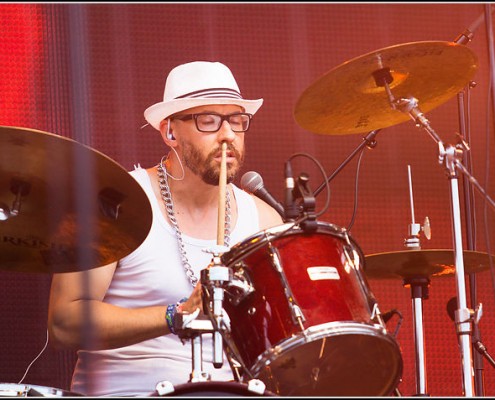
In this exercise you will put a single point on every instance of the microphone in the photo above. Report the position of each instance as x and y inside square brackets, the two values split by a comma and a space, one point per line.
[290, 209]
[252, 182]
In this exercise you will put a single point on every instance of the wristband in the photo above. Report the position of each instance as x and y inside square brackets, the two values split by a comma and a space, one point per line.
[169, 317]
[170, 314]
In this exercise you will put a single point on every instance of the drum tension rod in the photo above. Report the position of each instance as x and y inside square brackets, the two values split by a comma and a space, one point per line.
[296, 312]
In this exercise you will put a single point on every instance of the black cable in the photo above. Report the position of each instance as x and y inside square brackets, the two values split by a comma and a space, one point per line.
[399, 323]
[355, 192]
[389, 314]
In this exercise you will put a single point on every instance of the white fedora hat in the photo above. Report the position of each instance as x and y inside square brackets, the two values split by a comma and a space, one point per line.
[195, 84]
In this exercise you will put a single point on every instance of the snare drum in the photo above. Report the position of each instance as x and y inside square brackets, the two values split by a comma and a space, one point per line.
[303, 318]
[25, 390]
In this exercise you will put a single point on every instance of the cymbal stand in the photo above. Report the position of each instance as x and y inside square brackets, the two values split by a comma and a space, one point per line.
[189, 326]
[214, 279]
[449, 155]
[419, 292]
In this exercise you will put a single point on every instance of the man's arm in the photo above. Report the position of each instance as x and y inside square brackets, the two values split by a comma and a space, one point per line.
[78, 318]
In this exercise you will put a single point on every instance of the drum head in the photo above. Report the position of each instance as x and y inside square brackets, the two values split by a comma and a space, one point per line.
[336, 359]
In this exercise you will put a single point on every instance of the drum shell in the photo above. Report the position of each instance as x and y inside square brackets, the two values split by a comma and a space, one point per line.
[264, 319]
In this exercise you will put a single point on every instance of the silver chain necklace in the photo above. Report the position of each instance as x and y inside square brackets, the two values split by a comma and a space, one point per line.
[169, 206]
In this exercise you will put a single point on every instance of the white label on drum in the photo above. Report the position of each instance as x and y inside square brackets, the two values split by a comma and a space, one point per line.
[320, 272]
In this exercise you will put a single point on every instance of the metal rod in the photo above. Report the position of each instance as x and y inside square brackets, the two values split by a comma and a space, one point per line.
[420, 346]
[411, 199]
[368, 140]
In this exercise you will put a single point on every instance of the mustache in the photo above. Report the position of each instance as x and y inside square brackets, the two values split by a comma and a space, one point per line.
[230, 149]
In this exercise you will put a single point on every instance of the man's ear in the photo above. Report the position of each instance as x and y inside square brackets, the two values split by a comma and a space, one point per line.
[170, 135]
[167, 133]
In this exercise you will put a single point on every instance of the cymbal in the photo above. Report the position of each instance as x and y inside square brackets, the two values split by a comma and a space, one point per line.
[422, 263]
[347, 99]
[76, 208]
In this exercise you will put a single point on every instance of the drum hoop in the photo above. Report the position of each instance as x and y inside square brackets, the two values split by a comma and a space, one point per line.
[252, 243]
[317, 332]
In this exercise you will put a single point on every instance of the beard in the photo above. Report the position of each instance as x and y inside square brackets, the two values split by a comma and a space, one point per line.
[206, 167]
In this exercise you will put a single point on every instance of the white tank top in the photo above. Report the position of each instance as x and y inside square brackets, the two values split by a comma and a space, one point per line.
[153, 275]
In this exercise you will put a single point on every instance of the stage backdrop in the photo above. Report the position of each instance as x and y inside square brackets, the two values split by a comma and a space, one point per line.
[88, 71]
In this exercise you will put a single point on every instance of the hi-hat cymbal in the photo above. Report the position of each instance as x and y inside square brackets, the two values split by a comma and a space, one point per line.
[347, 99]
[422, 263]
[76, 210]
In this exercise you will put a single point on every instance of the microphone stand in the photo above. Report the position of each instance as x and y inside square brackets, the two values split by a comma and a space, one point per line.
[368, 140]
[464, 38]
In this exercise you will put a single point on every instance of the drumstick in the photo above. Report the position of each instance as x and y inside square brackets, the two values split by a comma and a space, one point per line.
[221, 196]
[216, 313]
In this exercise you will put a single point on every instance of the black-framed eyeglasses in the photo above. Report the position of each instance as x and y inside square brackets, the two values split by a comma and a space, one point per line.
[211, 122]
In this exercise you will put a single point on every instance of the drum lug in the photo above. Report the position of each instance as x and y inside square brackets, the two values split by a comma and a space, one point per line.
[298, 317]
[240, 286]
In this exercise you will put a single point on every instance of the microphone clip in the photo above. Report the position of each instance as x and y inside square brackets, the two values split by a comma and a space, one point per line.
[306, 201]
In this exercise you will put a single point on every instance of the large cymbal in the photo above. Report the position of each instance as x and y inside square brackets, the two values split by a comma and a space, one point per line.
[78, 209]
[347, 99]
[422, 263]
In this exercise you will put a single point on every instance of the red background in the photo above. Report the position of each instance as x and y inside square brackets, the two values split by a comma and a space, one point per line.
[88, 71]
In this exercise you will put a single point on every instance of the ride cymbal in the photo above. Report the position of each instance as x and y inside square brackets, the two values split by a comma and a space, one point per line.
[63, 206]
[422, 263]
[348, 100]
